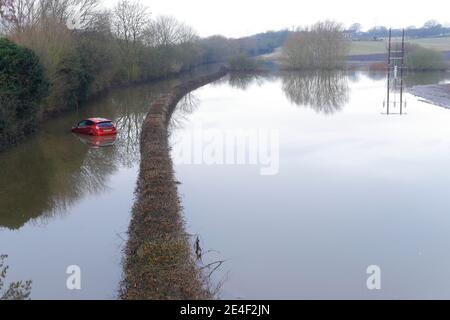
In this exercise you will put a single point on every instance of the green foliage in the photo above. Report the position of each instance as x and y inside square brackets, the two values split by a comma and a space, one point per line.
[71, 83]
[419, 58]
[22, 87]
[99, 59]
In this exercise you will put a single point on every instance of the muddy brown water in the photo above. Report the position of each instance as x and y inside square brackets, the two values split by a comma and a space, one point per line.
[355, 188]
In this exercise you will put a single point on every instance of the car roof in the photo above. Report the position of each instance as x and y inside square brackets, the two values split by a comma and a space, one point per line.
[99, 120]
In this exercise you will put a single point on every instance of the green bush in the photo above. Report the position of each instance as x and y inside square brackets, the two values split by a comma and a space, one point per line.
[70, 84]
[419, 58]
[22, 88]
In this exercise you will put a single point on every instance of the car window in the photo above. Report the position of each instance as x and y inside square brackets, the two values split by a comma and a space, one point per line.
[85, 123]
[105, 125]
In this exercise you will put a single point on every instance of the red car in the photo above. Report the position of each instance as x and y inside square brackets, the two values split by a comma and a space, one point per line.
[95, 127]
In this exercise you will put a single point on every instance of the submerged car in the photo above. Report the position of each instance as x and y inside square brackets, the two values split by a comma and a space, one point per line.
[95, 127]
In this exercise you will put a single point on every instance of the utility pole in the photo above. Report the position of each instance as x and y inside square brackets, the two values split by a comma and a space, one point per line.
[389, 73]
[401, 71]
[396, 61]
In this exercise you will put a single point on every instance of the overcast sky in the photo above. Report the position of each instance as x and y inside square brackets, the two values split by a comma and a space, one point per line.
[237, 18]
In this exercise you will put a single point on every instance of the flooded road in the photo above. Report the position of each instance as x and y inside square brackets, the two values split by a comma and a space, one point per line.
[354, 188]
[66, 200]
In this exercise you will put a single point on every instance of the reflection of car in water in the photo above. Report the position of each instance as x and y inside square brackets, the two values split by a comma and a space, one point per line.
[95, 127]
[97, 141]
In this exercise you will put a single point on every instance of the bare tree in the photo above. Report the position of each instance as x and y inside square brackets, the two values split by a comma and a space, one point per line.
[20, 15]
[73, 13]
[167, 31]
[321, 46]
[129, 22]
[101, 22]
[17, 14]
[174, 44]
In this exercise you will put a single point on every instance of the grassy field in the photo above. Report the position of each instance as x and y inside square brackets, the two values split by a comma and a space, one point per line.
[440, 44]
[367, 47]
[376, 47]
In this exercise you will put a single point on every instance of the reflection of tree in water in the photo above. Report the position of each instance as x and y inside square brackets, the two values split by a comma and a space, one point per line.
[377, 75]
[19, 290]
[324, 91]
[243, 80]
[354, 75]
[185, 107]
[130, 109]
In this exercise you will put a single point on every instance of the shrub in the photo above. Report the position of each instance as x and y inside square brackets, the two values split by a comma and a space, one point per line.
[419, 58]
[22, 87]
[244, 63]
[378, 66]
[70, 84]
[321, 46]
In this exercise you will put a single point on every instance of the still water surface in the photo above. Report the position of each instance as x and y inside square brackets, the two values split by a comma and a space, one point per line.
[65, 201]
[355, 188]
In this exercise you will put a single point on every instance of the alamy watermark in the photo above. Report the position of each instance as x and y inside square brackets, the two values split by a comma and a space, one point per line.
[73, 281]
[255, 147]
[374, 280]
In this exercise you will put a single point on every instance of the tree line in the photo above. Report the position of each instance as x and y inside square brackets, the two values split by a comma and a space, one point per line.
[431, 28]
[84, 49]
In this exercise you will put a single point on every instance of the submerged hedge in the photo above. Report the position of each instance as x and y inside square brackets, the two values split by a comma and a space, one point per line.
[159, 263]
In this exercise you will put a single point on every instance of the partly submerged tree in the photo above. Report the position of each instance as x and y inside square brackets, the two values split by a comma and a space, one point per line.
[321, 46]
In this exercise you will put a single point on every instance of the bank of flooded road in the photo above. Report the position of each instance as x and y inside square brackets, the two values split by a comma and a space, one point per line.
[329, 186]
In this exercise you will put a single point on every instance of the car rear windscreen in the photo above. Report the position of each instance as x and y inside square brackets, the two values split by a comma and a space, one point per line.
[105, 125]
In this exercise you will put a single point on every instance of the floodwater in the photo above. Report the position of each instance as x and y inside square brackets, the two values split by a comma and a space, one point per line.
[66, 200]
[350, 189]
[353, 188]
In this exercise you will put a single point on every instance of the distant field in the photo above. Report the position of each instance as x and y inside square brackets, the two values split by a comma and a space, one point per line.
[377, 47]
[441, 44]
[361, 48]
